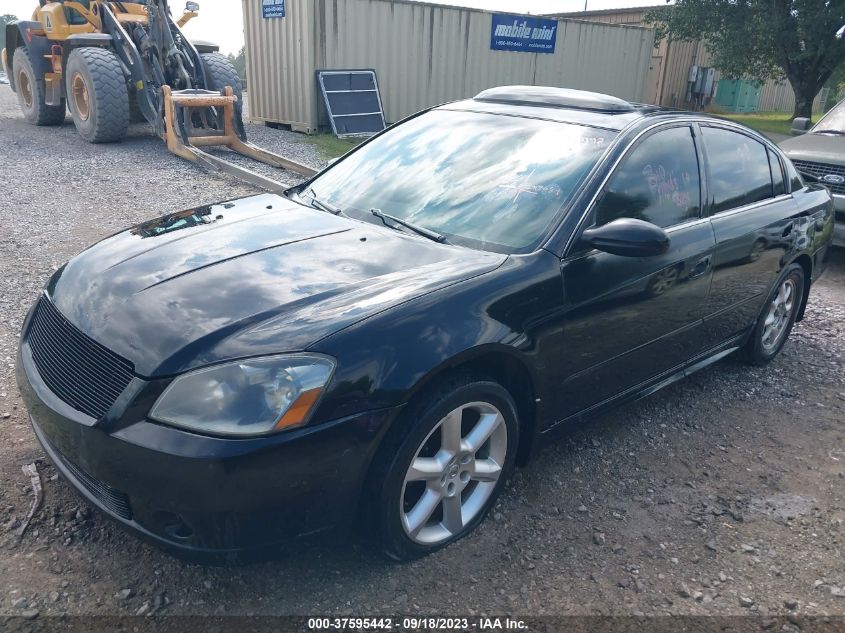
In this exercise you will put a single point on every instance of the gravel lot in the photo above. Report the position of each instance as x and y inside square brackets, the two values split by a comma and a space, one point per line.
[723, 494]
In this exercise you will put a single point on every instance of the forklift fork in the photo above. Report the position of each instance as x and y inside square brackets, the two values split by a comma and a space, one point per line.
[185, 140]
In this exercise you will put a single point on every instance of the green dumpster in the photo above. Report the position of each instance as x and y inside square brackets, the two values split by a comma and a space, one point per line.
[738, 95]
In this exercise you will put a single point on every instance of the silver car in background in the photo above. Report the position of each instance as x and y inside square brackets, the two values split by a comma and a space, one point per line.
[819, 152]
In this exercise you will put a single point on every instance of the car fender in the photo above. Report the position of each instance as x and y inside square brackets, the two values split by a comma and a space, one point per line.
[388, 358]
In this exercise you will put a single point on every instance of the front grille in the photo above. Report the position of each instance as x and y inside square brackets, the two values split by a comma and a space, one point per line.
[822, 169]
[80, 371]
[113, 500]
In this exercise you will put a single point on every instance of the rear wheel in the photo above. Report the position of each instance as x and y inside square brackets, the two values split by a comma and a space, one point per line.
[97, 93]
[219, 73]
[434, 484]
[778, 316]
[31, 95]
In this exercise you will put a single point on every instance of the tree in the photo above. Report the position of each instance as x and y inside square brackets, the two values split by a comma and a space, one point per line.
[763, 39]
[4, 20]
[239, 62]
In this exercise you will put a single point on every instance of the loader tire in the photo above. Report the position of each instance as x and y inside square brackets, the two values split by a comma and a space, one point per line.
[97, 94]
[219, 73]
[31, 95]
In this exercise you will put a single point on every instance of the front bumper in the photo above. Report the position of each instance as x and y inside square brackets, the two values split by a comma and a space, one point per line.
[207, 498]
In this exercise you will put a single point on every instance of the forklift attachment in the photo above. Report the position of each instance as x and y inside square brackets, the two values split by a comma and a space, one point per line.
[183, 108]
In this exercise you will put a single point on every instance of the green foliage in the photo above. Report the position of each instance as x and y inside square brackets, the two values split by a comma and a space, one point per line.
[332, 147]
[764, 122]
[763, 39]
[4, 20]
[239, 62]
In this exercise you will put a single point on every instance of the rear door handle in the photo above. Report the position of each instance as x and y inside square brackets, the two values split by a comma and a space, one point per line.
[700, 268]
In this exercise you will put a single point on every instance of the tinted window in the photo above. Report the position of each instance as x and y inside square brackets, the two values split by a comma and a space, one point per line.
[778, 184]
[483, 180]
[739, 169]
[658, 182]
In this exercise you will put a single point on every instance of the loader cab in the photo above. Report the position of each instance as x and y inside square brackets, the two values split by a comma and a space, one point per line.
[60, 21]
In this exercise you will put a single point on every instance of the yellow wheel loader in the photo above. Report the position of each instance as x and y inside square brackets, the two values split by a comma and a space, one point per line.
[109, 62]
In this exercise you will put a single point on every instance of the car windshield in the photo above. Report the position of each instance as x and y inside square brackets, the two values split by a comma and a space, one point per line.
[833, 121]
[480, 180]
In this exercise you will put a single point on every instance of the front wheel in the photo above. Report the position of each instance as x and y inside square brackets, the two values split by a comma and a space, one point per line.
[435, 485]
[97, 93]
[778, 316]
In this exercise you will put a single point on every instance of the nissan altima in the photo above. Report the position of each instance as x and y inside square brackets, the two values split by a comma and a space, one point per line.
[380, 346]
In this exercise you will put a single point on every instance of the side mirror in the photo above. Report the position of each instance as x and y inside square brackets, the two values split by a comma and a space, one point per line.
[800, 125]
[627, 237]
[192, 7]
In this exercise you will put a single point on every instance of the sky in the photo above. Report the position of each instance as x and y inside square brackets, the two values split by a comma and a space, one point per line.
[221, 21]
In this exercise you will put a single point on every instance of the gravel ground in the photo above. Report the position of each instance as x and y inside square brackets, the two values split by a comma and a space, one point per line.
[722, 494]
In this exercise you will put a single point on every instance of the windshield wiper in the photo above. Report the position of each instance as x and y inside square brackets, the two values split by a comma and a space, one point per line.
[323, 206]
[837, 132]
[419, 230]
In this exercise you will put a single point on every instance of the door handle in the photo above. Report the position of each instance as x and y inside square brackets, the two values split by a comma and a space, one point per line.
[787, 229]
[700, 268]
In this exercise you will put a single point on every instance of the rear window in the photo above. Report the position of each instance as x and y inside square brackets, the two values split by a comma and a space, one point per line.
[778, 183]
[739, 169]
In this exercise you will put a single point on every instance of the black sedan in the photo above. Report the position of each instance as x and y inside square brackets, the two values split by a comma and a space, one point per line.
[380, 346]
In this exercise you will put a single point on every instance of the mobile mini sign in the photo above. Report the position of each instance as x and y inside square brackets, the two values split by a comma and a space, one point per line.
[273, 8]
[527, 35]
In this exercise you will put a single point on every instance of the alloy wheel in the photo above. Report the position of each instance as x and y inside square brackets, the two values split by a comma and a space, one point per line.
[779, 315]
[453, 473]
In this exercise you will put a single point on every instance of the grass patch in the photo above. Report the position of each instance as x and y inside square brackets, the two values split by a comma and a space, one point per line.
[774, 122]
[330, 146]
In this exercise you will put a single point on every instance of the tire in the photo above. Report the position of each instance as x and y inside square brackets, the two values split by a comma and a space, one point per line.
[97, 95]
[777, 317]
[31, 95]
[412, 513]
[219, 73]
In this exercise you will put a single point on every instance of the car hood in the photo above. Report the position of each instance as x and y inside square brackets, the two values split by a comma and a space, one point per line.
[254, 276]
[817, 148]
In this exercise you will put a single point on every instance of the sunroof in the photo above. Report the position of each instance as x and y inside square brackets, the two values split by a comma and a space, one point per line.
[555, 98]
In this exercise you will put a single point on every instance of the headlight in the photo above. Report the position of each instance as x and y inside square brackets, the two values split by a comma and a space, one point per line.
[255, 396]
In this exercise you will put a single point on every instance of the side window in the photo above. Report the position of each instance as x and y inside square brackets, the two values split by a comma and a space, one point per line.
[778, 184]
[657, 182]
[739, 169]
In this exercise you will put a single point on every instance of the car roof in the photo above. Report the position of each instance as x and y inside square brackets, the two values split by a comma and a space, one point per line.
[562, 105]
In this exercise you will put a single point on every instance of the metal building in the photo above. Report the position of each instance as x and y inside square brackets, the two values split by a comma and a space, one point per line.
[668, 76]
[669, 68]
[423, 54]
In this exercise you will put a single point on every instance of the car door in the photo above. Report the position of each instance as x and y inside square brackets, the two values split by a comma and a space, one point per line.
[755, 221]
[629, 320]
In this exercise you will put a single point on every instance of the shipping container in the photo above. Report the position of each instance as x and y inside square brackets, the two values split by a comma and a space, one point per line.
[423, 54]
